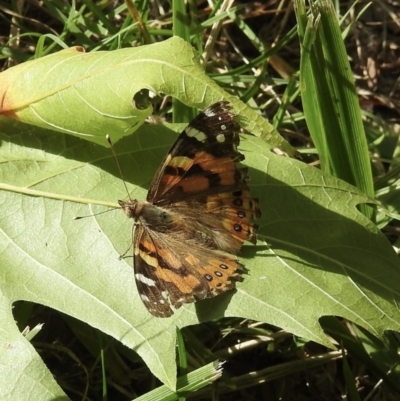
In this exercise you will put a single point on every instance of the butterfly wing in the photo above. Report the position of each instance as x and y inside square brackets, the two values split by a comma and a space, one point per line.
[225, 218]
[202, 160]
[151, 290]
[168, 273]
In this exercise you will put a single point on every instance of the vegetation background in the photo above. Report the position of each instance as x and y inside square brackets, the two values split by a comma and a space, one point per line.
[253, 51]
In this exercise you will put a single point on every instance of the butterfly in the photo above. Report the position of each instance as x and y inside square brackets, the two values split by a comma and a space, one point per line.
[197, 214]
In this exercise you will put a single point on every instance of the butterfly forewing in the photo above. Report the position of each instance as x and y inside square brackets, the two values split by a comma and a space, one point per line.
[202, 159]
[198, 214]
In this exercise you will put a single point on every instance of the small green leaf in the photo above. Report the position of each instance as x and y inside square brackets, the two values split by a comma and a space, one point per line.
[90, 95]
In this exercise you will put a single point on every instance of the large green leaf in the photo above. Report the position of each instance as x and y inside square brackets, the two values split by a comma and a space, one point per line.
[317, 255]
[91, 94]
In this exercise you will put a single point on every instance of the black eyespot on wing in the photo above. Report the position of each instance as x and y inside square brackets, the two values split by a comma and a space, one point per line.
[237, 227]
[238, 202]
[208, 277]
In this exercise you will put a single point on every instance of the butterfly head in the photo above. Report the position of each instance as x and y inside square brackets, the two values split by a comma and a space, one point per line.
[131, 208]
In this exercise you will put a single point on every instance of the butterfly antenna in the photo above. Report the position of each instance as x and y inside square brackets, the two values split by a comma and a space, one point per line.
[119, 167]
[91, 215]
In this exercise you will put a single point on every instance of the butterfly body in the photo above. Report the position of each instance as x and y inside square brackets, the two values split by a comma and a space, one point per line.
[196, 217]
[152, 216]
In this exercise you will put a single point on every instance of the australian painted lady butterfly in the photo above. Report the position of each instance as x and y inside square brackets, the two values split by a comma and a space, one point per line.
[196, 217]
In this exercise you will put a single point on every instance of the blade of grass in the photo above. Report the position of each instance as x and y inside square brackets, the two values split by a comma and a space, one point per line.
[352, 392]
[182, 359]
[186, 384]
[181, 28]
[330, 101]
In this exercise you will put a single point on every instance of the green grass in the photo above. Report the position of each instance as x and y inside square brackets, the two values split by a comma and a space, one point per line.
[314, 313]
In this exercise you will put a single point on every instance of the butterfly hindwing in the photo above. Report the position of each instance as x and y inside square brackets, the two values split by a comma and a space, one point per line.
[226, 217]
[168, 273]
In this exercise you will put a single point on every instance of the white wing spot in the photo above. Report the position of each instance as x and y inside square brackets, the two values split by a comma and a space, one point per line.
[195, 133]
[220, 138]
[209, 113]
[223, 127]
[145, 280]
[144, 298]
